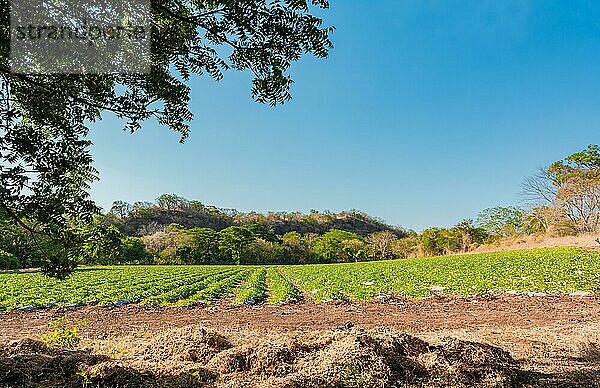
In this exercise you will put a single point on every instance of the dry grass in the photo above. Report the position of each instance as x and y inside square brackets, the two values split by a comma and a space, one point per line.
[485, 342]
[199, 357]
[586, 241]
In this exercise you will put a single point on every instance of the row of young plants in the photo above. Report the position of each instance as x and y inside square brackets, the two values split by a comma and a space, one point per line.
[552, 270]
[255, 288]
[97, 285]
[154, 285]
[560, 270]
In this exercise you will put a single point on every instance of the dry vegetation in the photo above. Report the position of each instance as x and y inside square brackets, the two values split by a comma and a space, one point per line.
[196, 357]
[502, 341]
[585, 240]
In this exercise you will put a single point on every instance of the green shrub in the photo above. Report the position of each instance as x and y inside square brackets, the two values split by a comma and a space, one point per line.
[8, 261]
[64, 333]
[329, 247]
[133, 251]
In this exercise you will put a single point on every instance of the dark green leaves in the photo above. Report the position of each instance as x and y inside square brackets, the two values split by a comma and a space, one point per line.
[45, 162]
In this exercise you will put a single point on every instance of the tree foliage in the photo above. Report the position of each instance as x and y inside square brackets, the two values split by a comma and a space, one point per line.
[329, 247]
[45, 161]
[501, 221]
[8, 261]
[577, 178]
[234, 240]
[204, 245]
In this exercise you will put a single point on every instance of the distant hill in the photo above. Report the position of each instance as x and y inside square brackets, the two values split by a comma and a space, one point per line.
[144, 218]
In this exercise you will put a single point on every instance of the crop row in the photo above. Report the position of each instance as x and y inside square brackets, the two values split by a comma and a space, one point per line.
[98, 285]
[254, 290]
[280, 289]
[561, 270]
[548, 270]
[216, 290]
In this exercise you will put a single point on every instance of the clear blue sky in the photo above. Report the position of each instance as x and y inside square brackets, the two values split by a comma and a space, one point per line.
[425, 113]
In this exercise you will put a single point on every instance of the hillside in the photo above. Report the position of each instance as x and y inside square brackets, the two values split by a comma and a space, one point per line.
[147, 218]
[585, 240]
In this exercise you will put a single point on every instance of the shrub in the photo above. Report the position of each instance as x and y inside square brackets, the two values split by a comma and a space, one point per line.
[64, 333]
[8, 261]
[134, 251]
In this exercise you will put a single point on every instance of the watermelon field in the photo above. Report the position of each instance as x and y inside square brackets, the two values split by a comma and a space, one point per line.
[549, 270]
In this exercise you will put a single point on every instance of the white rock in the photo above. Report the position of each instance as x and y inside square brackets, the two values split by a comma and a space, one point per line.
[536, 294]
[580, 293]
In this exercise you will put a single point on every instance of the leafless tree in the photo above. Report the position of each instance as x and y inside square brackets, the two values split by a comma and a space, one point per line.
[539, 189]
[381, 243]
[580, 199]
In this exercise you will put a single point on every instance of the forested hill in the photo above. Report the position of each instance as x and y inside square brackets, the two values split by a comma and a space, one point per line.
[144, 218]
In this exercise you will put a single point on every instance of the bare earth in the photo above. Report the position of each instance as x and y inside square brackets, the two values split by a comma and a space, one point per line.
[584, 240]
[557, 335]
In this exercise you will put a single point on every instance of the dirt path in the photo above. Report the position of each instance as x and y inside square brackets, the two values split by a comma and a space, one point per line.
[414, 316]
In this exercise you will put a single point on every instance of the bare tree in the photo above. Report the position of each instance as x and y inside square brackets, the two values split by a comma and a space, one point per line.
[381, 243]
[580, 199]
[539, 189]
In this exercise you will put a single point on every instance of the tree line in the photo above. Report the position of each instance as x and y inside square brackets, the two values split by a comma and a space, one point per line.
[144, 218]
[564, 199]
[46, 165]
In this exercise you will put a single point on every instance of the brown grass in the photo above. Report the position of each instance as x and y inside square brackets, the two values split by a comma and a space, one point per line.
[549, 341]
[199, 357]
[586, 241]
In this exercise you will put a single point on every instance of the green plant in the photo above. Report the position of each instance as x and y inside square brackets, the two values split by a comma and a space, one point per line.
[353, 376]
[561, 270]
[8, 261]
[254, 289]
[280, 289]
[86, 376]
[65, 334]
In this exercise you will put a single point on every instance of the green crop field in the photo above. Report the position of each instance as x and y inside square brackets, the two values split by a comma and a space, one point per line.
[560, 270]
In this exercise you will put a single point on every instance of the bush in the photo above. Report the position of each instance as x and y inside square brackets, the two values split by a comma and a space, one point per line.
[65, 334]
[405, 247]
[8, 261]
[134, 251]
[329, 247]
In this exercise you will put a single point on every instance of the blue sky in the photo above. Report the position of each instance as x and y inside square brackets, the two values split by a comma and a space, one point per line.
[425, 113]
